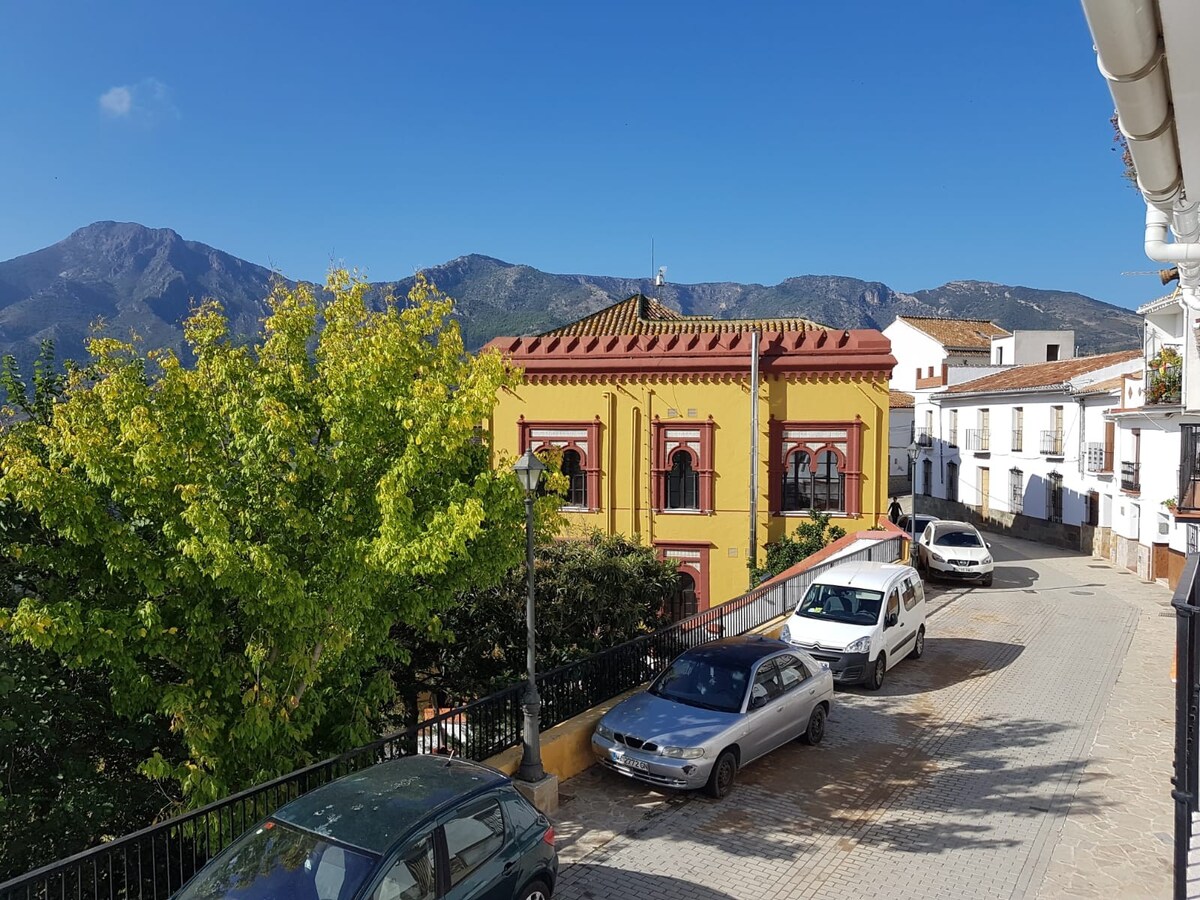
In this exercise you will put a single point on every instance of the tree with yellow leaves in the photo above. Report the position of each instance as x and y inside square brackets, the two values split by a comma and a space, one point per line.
[232, 541]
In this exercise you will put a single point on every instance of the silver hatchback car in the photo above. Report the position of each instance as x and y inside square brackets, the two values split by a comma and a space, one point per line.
[716, 708]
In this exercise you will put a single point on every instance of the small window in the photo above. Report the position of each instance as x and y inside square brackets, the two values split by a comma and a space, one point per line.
[908, 594]
[1051, 352]
[893, 607]
[683, 482]
[473, 836]
[791, 672]
[412, 877]
[766, 683]
[572, 468]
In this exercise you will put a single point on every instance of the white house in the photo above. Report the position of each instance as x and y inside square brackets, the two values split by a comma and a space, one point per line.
[1013, 448]
[925, 347]
[1025, 347]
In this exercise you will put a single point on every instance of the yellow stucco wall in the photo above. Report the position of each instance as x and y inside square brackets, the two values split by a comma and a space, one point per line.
[626, 410]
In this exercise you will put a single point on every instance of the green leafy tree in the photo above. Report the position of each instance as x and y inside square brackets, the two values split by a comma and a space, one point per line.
[68, 763]
[231, 543]
[591, 593]
[813, 534]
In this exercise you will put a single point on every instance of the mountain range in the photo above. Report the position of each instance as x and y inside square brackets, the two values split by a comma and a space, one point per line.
[142, 280]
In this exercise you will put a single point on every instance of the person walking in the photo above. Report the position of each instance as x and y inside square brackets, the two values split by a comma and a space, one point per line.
[894, 511]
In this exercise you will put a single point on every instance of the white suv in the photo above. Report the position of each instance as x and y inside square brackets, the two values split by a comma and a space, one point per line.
[955, 550]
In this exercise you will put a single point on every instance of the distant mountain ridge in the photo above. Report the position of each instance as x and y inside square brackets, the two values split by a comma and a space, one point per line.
[142, 280]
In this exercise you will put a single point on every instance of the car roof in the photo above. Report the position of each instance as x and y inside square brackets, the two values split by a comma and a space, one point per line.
[374, 807]
[874, 575]
[745, 650]
[945, 526]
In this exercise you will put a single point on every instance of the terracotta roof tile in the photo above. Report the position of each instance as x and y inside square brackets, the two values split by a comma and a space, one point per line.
[1042, 375]
[957, 334]
[900, 400]
[640, 315]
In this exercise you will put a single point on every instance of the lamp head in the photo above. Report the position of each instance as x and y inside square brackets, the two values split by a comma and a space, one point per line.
[529, 471]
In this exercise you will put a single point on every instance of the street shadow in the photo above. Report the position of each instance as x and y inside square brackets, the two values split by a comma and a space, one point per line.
[911, 775]
[605, 882]
[1014, 577]
[946, 661]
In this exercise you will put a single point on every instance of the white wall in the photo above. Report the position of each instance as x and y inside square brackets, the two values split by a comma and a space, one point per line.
[900, 435]
[912, 348]
[1082, 423]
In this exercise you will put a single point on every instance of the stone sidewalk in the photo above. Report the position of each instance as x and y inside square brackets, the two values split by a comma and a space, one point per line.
[1027, 755]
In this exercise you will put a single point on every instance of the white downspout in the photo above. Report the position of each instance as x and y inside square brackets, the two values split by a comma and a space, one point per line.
[1185, 252]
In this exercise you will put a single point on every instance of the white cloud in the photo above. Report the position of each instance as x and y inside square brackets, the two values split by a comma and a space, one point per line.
[117, 101]
[149, 100]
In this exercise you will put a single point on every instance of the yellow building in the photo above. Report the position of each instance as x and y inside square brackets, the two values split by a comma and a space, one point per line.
[651, 411]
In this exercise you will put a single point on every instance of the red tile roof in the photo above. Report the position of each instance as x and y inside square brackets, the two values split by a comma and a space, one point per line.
[645, 315]
[970, 335]
[1042, 375]
[900, 400]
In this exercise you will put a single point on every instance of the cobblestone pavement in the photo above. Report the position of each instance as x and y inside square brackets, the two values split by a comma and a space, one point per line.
[1027, 754]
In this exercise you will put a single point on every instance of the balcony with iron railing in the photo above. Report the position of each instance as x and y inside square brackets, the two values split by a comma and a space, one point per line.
[923, 437]
[1052, 443]
[1131, 477]
[979, 440]
[1164, 377]
[1098, 458]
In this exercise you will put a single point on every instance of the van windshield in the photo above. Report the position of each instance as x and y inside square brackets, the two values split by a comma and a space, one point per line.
[836, 603]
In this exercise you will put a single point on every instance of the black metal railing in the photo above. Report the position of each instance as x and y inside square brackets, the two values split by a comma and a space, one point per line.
[979, 439]
[1187, 717]
[153, 863]
[1189, 468]
[1131, 476]
[923, 437]
[1052, 443]
[1164, 377]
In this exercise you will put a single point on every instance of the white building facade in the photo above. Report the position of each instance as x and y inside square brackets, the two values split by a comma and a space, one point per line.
[1018, 449]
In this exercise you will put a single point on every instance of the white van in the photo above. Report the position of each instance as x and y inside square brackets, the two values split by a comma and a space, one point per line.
[861, 618]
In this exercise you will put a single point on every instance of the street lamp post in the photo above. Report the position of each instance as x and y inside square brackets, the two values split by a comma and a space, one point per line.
[914, 452]
[529, 472]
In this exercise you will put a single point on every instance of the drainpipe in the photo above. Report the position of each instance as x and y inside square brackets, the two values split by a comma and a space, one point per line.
[753, 551]
[1185, 251]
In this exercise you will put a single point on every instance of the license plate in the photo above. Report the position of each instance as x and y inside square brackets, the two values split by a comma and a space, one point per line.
[629, 762]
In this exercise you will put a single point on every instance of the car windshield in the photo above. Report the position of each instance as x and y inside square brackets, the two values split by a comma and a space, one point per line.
[841, 604]
[699, 681]
[275, 860]
[958, 539]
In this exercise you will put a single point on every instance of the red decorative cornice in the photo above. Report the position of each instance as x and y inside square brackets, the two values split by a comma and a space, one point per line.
[833, 353]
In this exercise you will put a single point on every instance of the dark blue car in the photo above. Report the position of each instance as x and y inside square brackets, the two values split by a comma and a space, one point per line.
[416, 828]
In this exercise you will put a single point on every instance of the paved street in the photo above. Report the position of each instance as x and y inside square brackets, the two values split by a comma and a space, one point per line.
[1027, 755]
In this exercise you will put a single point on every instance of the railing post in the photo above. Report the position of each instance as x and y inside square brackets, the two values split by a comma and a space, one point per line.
[1187, 700]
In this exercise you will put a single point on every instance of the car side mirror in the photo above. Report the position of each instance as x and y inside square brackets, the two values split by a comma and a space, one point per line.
[986, 544]
[758, 701]
[891, 619]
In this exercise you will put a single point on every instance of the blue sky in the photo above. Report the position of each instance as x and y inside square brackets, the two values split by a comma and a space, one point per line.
[911, 143]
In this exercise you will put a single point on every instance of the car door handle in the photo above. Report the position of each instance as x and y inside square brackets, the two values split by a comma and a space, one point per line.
[509, 866]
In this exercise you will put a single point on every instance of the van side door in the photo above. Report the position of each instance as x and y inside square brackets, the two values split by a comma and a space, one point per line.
[893, 627]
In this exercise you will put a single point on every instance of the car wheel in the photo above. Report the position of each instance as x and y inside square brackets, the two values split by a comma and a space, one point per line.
[918, 649]
[875, 676]
[987, 580]
[815, 732]
[720, 781]
[535, 890]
